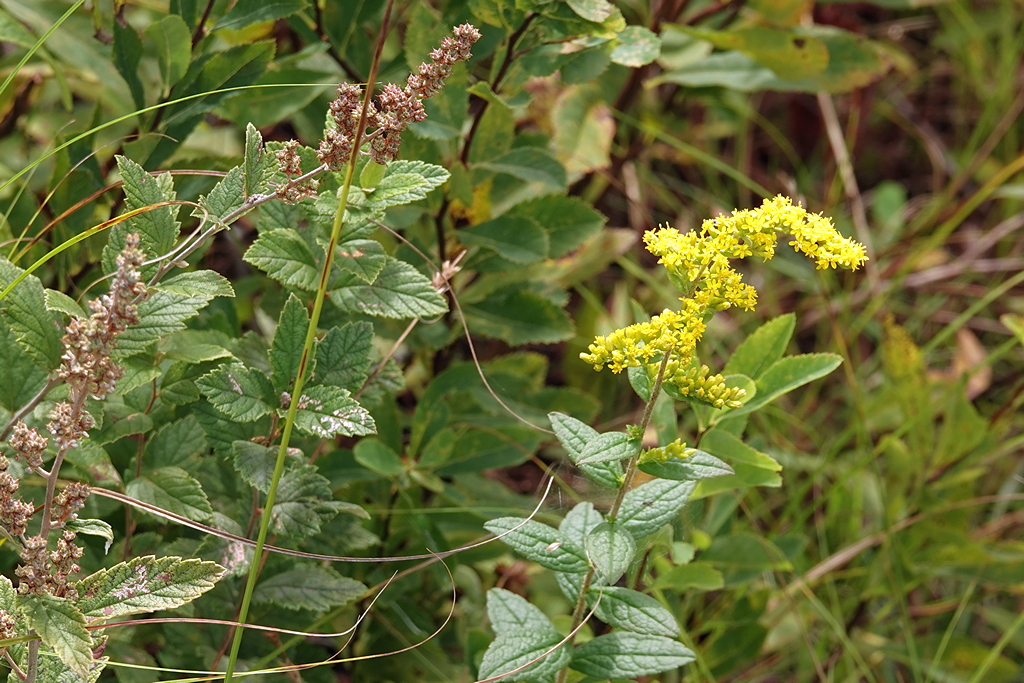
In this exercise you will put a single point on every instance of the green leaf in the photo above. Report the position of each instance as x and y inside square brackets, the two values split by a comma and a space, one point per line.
[23, 378]
[371, 175]
[610, 550]
[173, 43]
[592, 10]
[610, 446]
[8, 594]
[304, 503]
[406, 182]
[762, 349]
[255, 463]
[176, 444]
[59, 301]
[289, 339]
[376, 456]
[743, 557]
[61, 626]
[157, 228]
[36, 329]
[651, 506]
[580, 521]
[308, 587]
[127, 54]
[172, 489]
[192, 347]
[697, 465]
[518, 314]
[539, 543]
[497, 126]
[238, 392]
[247, 12]
[788, 374]
[790, 54]
[258, 166]
[633, 611]
[629, 655]
[200, 284]
[363, 258]
[329, 411]
[400, 291]
[568, 221]
[698, 575]
[510, 613]
[285, 256]
[517, 238]
[226, 196]
[159, 315]
[529, 164]
[637, 46]
[752, 467]
[145, 584]
[574, 436]
[93, 527]
[510, 651]
[343, 356]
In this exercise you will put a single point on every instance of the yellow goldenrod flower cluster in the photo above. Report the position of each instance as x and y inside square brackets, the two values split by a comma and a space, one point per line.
[698, 264]
[676, 449]
[694, 383]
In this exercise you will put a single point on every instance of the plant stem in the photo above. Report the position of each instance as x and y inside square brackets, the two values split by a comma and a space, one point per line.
[307, 353]
[631, 467]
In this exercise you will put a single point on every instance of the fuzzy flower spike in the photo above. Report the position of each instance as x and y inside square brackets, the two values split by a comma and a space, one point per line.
[698, 264]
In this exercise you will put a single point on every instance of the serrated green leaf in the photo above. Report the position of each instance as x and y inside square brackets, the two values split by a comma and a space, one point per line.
[695, 466]
[405, 184]
[510, 651]
[695, 575]
[509, 613]
[529, 164]
[204, 284]
[786, 375]
[138, 370]
[610, 549]
[329, 411]
[371, 175]
[127, 53]
[226, 196]
[289, 339]
[400, 291]
[539, 543]
[285, 256]
[7, 595]
[790, 54]
[36, 329]
[238, 392]
[592, 10]
[433, 176]
[159, 315]
[145, 584]
[157, 228]
[520, 239]
[247, 12]
[173, 43]
[377, 456]
[762, 349]
[363, 258]
[255, 463]
[258, 166]
[94, 462]
[651, 506]
[343, 356]
[633, 611]
[61, 626]
[579, 522]
[59, 301]
[611, 446]
[23, 378]
[568, 221]
[629, 655]
[519, 315]
[637, 46]
[304, 502]
[174, 490]
[308, 587]
[93, 527]
[574, 436]
[192, 347]
[175, 444]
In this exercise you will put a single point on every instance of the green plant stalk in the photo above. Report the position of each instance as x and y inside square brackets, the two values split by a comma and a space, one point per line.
[307, 352]
[631, 468]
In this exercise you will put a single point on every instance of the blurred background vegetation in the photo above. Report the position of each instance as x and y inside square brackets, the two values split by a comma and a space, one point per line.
[888, 548]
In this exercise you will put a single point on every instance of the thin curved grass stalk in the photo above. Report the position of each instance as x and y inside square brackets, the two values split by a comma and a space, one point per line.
[39, 43]
[307, 351]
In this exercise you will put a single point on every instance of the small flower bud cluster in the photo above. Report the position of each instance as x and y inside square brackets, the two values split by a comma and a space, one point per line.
[68, 502]
[28, 444]
[694, 383]
[676, 449]
[8, 626]
[14, 512]
[46, 573]
[396, 107]
[291, 165]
